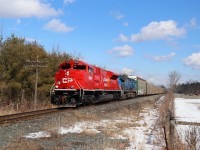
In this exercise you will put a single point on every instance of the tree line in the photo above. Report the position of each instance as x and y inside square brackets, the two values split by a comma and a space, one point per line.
[190, 87]
[17, 75]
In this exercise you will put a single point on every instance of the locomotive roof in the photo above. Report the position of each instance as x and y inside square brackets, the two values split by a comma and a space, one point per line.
[72, 61]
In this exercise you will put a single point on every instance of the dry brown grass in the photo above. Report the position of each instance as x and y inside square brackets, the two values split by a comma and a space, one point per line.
[189, 140]
[24, 106]
[162, 126]
[81, 116]
[124, 125]
[7, 109]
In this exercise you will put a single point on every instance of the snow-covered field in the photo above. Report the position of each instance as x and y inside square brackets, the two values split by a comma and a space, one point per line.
[188, 110]
[137, 129]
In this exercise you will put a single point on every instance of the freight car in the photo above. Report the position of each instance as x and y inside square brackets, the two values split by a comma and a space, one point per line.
[77, 82]
[141, 85]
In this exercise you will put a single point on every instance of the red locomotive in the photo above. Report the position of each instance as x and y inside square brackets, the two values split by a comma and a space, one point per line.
[77, 82]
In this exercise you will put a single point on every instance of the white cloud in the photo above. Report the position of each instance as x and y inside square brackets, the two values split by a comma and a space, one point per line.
[193, 22]
[69, 1]
[26, 8]
[57, 26]
[122, 51]
[126, 24]
[162, 58]
[193, 61]
[117, 15]
[122, 38]
[158, 31]
[127, 71]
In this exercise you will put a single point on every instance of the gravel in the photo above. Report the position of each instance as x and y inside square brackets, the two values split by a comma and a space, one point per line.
[12, 136]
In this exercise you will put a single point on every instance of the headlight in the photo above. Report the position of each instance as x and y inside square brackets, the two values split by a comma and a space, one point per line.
[58, 82]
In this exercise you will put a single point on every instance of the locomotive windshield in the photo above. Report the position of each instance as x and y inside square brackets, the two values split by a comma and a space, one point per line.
[79, 67]
[65, 66]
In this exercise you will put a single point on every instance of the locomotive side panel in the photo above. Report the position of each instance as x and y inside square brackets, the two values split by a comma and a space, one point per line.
[128, 86]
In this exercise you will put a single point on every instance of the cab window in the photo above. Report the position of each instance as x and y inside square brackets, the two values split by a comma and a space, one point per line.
[79, 67]
[65, 66]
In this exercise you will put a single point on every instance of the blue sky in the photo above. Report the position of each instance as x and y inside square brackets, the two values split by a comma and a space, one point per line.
[144, 38]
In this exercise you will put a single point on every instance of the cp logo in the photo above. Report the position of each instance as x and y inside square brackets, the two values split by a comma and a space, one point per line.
[67, 80]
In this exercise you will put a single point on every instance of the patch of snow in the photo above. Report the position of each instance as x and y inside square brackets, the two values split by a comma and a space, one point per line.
[187, 110]
[117, 136]
[74, 129]
[40, 134]
[161, 100]
[79, 127]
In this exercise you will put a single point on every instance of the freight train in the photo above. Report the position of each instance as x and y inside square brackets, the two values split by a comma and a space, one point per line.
[78, 83]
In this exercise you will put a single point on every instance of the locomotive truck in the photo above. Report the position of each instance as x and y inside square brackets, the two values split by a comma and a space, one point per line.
[77, 83]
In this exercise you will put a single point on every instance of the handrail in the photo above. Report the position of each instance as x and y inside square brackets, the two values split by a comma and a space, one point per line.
[51, 89]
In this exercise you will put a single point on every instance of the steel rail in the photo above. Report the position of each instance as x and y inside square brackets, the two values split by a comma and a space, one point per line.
[13, 118]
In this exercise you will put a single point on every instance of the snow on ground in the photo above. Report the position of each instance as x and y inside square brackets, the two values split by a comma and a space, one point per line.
[137, 135]
[187, 110]
[136, 129]
[40, 134]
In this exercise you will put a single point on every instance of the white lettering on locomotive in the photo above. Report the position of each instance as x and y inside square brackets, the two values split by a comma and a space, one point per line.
[90, 78]
[67, 80]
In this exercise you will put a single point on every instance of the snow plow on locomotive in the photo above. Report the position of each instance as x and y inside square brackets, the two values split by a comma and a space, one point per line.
[77, 83]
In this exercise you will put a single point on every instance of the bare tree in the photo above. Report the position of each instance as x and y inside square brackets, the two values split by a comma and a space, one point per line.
[174, 77]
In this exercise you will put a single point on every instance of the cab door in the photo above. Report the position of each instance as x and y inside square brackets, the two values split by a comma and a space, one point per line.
[90, 77]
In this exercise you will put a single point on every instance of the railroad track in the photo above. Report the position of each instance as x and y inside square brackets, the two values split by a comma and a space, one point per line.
[13, 118]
